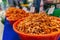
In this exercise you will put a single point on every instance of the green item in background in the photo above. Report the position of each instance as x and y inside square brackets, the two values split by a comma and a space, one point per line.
[3, 20]
[4, 1]
[4, 4]
[56, 12]
[25, 1]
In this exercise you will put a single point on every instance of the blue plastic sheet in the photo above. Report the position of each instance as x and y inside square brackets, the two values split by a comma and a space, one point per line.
[9, 33]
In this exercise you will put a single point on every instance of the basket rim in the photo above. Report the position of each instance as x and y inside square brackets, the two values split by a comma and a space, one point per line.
[40, 35]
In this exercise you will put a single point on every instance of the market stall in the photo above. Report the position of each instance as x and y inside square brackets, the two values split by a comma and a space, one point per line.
[39, 24]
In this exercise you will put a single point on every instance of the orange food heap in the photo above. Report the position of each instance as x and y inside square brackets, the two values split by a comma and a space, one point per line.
[39, 24]
[14, 14]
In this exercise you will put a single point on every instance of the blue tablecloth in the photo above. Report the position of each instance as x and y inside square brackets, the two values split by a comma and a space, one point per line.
[9, 33]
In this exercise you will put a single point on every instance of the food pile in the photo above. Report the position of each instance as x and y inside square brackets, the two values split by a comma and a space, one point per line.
[14, 14]
[39, 24]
